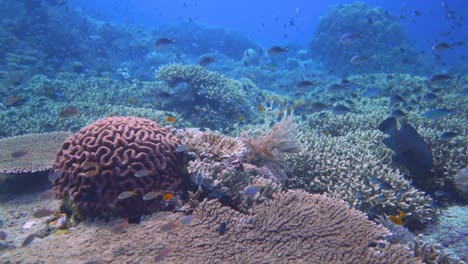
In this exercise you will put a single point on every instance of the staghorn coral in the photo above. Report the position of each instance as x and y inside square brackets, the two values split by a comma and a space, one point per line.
[351, 167]
[98, 163]
[293, 227]
[30, 152]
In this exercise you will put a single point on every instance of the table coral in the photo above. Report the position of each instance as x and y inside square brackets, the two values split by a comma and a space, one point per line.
[100, 162]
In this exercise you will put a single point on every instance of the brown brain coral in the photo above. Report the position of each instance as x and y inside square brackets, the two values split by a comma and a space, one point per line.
[98, 163]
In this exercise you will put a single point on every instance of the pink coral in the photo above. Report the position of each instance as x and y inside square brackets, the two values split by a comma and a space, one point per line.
[101, 161]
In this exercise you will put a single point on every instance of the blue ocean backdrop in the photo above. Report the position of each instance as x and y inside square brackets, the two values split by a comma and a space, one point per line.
[204, 131]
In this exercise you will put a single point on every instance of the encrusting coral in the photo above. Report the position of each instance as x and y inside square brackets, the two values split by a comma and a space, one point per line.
[30, 153]
[106, 167]
[293, 227]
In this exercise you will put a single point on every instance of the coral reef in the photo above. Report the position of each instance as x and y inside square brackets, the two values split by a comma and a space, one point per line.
[353, 168]
[212, 99]
[112, 156]
[292, 227]
[30, 152]
[373, 44]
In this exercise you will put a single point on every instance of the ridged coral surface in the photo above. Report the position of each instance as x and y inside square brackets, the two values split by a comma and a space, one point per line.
[100, 162]
[293, 227]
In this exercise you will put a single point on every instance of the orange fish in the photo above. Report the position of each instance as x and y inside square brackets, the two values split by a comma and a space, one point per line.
[119, 228]
[241, 118]
[170, 119]
[11, 101]
[261, 108]
[168, 196]
[397, 219]
[68, 112]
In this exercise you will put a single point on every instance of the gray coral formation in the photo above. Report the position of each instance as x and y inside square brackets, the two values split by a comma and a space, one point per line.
[293, 227]
[31, 152]
[43, 98]
[219, 165]
[212, 99]
[353, 168]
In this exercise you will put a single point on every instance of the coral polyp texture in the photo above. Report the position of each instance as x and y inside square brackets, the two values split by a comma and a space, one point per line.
[108, 166]
[293, 227]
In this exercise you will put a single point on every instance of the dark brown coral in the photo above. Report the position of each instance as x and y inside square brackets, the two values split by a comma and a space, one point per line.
[100, 161]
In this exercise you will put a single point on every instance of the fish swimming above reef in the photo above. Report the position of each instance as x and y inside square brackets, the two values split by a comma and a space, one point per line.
[277, 50]
[360, 59]
[163, 42]
[445, 46]
[440, 78]
[411, 151]
[349, 38]
[436, 114]
[206, 60]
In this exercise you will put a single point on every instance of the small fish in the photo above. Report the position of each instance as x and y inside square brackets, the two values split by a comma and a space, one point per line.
[12, 101]
[163, 42]
[397, 219]
[222, 228]
[241, 118]
[68, 112]
[398, 113]
[340, 109]
[276, 50]
[440, 78]
[385, 186]
[29, 239]
[360, 59]
[396, 99]
[349, 38]
[261, 108]
[142, 173]
[170, 119]
[382, 198]
[186, 220]
[88, 174]
[163, 253]
[372, 92]
[318, 107]
[3, 235]
[43, 212]
[253, 189]
[429, 97]
[440, 193]
[169, 226]
[336, 88]
[55, 174]
[168, 196]
[182, 148]
[306, 83]
[120, 227]
[151, 195]
[447, 136]
[206, 60]
[19, 153]
[445, 46]
[436, 114]
[126, 195]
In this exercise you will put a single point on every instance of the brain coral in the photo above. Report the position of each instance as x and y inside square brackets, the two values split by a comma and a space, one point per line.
[293, 227]
[98, 163]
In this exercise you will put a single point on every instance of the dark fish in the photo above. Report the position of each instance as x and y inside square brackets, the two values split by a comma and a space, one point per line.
[206, 60]
[28, 240]
[336, 88]
[440, 193]
[435, 114]
[19, 153]
[340, 109]
[3, 235]
[440, 78]
[253, 189]
[162, 254]
[276, 50]
[447, 136]
[68, 112]
[306, 83]
[445, 46]
[222, 228]
[120, 227]
[398, 113]
[385, 186]
[55, 174]
[163, 42]
[396, 99]
[43, 212]
[411, 151]
[318, 107]
[429, 97]
[349, 38]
